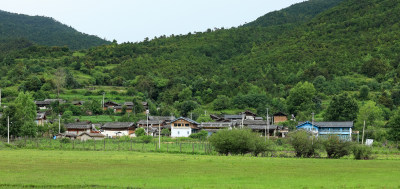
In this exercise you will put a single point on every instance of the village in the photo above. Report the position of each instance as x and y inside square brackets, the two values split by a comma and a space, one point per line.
[184, 127]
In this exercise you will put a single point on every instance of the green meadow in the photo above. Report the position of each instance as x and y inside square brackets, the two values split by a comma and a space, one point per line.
[124, 169]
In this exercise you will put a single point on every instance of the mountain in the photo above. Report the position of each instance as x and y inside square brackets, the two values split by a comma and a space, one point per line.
[295, 14]
[44, 31]
[343, 48]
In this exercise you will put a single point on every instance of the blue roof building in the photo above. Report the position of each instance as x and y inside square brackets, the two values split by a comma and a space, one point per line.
[342, 129]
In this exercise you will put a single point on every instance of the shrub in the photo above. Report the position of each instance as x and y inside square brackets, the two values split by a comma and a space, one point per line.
[303, 144]
[166, 132]
[336, 148]
[65, 140]
[146, 138]
[202, 135]
[237, 141]
[140, 132]
[362, 151]
[88, 93]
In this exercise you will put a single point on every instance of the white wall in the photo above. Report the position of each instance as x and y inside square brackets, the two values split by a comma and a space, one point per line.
[112, 133]
[181, 132]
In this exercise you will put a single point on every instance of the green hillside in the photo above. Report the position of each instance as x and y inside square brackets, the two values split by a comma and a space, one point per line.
[295, 14]
[44, 31]
[289, 65]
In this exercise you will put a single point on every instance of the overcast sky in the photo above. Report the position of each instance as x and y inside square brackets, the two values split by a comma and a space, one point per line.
[133, 20]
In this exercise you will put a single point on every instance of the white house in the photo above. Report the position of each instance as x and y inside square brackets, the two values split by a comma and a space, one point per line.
[183, 127]
[118, 129]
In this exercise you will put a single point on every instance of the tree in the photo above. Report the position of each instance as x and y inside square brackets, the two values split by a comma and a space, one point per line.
[59, 80]
[165, 132]
[394, 127]
[22, 115]
[364, 92]
[70, 81]
[336, 148]
[301, 97]
[303, 144]
[140, 132]
[341, 108]
[221, 102]
[370, 113]
[238, 141]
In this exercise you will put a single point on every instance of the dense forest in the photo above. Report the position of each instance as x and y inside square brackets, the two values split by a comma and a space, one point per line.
[339, 59]
[44, 31]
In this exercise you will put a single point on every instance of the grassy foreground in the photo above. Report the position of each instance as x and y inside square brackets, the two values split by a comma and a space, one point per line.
[74, 169]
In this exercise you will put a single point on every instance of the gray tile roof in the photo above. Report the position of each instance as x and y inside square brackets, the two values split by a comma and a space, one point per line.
[40, 115]
[233, 116]
[162, 118]
[117, 125]
[78, 125]
[216, 124]
[92, 134]
[154, 122]
[128, 103]
[186, 119]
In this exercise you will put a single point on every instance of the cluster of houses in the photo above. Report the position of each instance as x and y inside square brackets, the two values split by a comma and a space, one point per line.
[184, 127]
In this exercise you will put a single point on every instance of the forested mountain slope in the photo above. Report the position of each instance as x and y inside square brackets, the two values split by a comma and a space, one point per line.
[295, 14]
[351, 45]
[44, 31]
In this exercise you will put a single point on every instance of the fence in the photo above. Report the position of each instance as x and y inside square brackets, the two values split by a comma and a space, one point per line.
[115, 144]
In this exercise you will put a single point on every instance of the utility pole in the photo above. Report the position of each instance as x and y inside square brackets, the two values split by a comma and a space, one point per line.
[267, 132]
[312, 128]
[159, 135]
[59, 123]
[191, 115]
[147, 113]
[362, 142]
[241, 126]
[8, 129]
[102, 104]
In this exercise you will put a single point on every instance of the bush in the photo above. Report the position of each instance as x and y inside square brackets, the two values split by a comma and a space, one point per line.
[362, 151]
[140, 132]
[238, 141]
[165, 132]
[146, 138]
[65, 140]
[202, 135]
[336, 148]
[303, 144]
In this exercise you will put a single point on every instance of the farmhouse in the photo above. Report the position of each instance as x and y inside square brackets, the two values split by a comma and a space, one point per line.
[262, 127]
[110, 104]
[90, 136]
[119, 109]
[79, 127]
[41, 118]
[280, 117]
[183, 127]
[212, 127]
[117, 129]
[342, 129]
[43, 104]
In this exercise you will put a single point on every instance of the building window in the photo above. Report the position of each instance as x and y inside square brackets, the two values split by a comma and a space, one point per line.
[188, 132]
[178, 132]
[179, 124]
[187, 125]
[175, 124]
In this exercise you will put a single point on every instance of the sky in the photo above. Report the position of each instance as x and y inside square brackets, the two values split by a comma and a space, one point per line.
[134, 20]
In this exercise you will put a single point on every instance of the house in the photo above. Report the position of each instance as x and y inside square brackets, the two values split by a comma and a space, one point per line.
[90, 136]
[262, 127]
[41, 118]
[71, 136]
[248, 115]
[117, 129]
[342, 129]
[145, 105]
[110, 104]
[78, 103]
[213, 127]
[183, 127]
[129, 104]
[280, 117]
[155, 123]
[43, 104]
[79, 127]
[61, 101]
[233, 117]
[118, 109]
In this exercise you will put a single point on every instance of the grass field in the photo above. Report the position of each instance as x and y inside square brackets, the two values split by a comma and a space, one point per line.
[106, 169]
